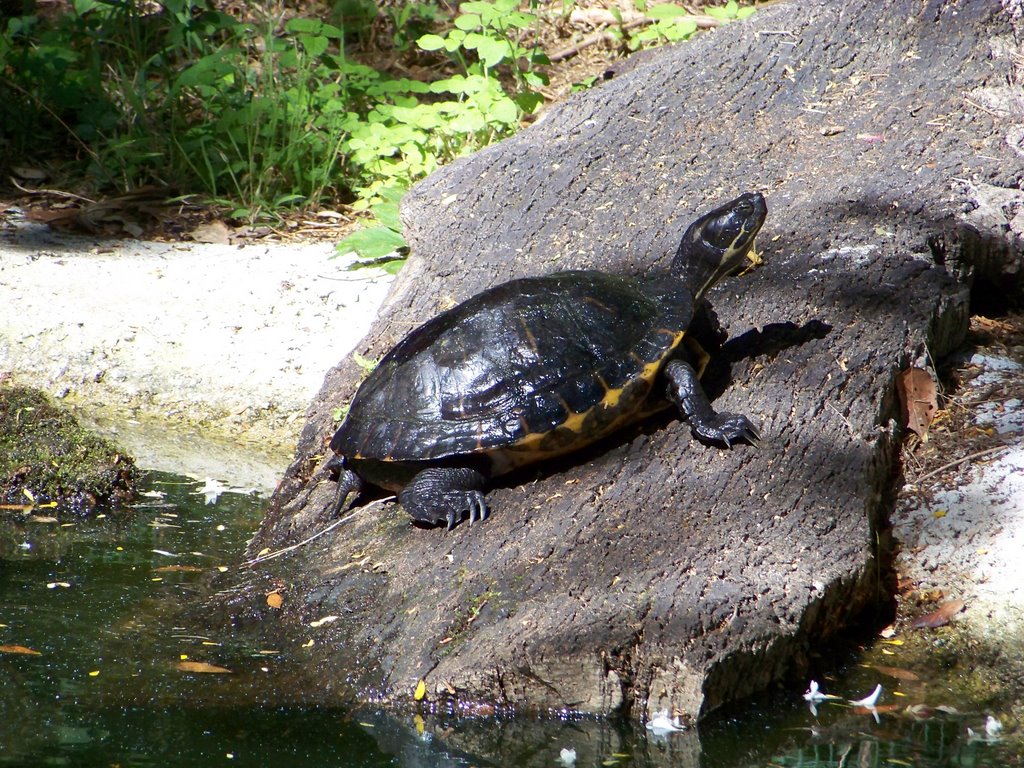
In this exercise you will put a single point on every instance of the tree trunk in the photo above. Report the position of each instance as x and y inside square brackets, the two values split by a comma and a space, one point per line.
[653, 571]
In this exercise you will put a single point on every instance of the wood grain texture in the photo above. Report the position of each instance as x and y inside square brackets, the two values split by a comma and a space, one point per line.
[652, 571]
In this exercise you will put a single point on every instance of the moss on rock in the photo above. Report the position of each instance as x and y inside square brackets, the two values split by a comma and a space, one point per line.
[44, 451]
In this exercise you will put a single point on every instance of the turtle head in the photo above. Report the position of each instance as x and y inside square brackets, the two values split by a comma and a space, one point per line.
[720, 243]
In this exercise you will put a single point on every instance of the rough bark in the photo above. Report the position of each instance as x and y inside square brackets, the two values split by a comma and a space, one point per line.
[655, 572]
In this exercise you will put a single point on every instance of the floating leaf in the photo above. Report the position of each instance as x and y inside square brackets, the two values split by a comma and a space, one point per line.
[918, 400]
[897, 672]
[421, 690]
[19, 649]
[201, 667]
[177, 569]
[939, 617]
[275, 600]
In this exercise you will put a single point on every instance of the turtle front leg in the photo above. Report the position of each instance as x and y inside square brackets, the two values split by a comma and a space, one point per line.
[685, 391]
[445, 493]
[348, 483]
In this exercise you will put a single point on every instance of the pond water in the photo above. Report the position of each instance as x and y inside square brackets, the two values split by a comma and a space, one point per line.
[95, 672]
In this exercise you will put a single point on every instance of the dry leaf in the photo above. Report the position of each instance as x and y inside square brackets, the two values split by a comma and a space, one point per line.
[918, 400]
[274, 600]
[201, 667]
[214, 232]
[19, 649]
[940, 616]
[421, 690]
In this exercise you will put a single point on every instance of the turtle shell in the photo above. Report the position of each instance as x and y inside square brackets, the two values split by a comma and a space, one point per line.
[531, 368]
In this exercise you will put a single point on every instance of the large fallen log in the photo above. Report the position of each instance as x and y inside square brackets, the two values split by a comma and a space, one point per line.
[653, 571]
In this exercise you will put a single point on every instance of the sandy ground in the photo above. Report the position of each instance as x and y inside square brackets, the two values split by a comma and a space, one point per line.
[152, 339]
[962, 531]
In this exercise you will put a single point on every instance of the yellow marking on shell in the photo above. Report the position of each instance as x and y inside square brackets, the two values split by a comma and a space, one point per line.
[531, 447]
[531, 340]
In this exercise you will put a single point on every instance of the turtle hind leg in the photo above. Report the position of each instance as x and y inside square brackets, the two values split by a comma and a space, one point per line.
[444, 494]
[685, 391]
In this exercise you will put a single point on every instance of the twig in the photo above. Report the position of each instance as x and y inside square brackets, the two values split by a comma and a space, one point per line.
[56, 192]
[961, 460]
[983, 108]
[317, 535]
[594, 38]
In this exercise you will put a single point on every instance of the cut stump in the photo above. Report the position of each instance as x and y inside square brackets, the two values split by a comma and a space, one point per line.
[654, 572]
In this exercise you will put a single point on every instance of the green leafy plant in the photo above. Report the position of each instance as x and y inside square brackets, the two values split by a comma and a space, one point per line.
[730, 11]
[380, 244]
[264, 114]
[414, 127]
[270, 135]
[671, 24]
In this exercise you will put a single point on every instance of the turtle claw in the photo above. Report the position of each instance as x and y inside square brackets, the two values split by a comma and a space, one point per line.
[467, 501]
[728, 429]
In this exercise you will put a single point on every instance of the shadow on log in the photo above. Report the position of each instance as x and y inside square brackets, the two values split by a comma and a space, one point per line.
[656, 572]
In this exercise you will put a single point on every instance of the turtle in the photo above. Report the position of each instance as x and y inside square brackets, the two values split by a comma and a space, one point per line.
[538, 367]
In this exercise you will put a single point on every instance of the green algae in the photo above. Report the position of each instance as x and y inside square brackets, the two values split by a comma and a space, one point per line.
[46, 456]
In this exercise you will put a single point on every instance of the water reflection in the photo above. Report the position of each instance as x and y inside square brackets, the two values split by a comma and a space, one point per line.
[94, 607]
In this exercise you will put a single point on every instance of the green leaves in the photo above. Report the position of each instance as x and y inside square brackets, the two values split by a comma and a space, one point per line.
[731, 10]
[263, 116]
[381, 244]
[673, 23]
[485, 27]
[372, 242]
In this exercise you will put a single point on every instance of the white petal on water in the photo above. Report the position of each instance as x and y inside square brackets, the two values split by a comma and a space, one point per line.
[870, 700]
[661, 723]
